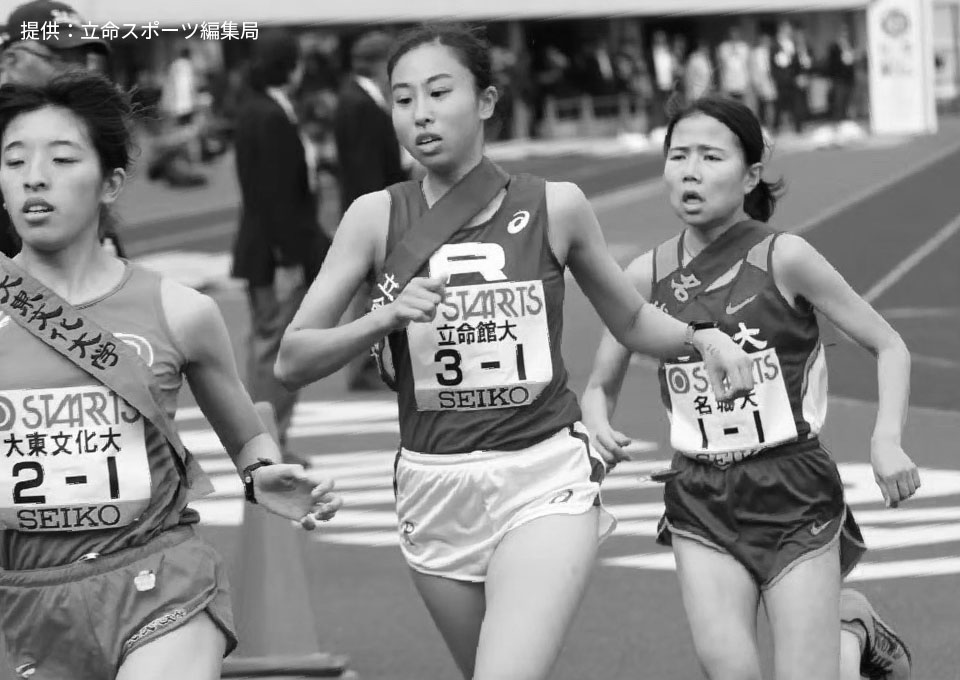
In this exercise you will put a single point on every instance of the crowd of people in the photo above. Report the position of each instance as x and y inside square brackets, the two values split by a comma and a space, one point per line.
[773, 75]
[500, 466]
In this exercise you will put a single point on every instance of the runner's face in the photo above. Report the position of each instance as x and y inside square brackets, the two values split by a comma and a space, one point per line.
[51, 179]
[437, 112]
[705, 172]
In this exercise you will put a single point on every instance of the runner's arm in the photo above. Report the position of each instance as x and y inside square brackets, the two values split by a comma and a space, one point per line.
[801, 271]
[304, 496]
[600, 398]
[211, 371]
[638, 326]
[314, 346]
[612, 359]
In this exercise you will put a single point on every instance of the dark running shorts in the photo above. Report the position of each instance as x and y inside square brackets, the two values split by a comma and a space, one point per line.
[769, 511]
[80, 620]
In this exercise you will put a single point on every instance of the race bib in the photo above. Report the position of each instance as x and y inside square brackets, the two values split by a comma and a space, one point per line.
[703, 428]
[71, 459]
[488, 347]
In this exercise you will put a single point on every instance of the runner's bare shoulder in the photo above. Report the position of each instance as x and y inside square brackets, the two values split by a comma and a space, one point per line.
[565, 200]
[363, 228]
[570, 216]
[193, 318]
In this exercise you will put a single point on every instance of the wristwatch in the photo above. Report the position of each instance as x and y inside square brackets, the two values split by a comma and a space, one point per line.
[695, 326]
[247, 477]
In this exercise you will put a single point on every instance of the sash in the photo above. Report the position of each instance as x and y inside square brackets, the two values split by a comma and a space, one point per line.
[711, 263]
[95, 350]
[448, 215]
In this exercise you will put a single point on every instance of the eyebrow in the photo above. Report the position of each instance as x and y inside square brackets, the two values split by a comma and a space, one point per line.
[429, 80]
[56, 142]
[707, 147]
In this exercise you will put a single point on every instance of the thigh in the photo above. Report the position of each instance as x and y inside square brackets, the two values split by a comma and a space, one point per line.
[804, 611]
[457, 609]
[535, 583]
[194, 651]
[720, 598]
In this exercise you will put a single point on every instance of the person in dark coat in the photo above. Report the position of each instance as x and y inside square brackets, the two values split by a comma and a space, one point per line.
[279, 246]
[368, 154]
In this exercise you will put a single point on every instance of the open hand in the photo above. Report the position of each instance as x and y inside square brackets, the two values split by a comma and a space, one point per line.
[305, 496]
[729, 368]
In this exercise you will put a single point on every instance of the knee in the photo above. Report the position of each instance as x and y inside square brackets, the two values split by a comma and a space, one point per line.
[722, 662]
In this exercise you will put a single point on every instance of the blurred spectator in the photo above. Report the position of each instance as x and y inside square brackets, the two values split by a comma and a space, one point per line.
[632, 72]
[594, 70]
[680, 54]
[733, 59]
[180, 89]
[761, 80]
[279, 246]
[503, 63]
[698, 74]
[177, 145]
[805, 66]
[551, 79]
[841, 72]
[666, 73]
[785, 68]
[369, 157]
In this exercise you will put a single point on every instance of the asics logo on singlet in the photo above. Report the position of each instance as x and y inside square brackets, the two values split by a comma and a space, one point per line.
[520, 219]
[681, 285]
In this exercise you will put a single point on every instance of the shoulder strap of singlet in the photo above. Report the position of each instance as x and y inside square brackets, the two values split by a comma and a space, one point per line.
[666, 259]
[112, 362]
[760, 254]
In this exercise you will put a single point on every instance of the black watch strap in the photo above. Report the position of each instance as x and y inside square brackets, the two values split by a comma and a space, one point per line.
[247, 477]
[695, 326]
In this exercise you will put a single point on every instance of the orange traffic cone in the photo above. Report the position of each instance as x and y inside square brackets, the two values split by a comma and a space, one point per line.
[276, 624]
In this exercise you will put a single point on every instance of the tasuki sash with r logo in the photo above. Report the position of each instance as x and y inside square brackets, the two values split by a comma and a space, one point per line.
[435, 227]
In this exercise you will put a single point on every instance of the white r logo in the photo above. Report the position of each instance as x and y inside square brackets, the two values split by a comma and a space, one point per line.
[486, 259]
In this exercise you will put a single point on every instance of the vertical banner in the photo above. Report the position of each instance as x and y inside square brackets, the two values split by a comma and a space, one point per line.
[901, 64]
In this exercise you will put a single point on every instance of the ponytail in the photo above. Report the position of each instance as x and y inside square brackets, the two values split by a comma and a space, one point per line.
[762, 201]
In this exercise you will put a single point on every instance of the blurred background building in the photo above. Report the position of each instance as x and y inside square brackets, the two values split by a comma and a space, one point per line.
[565, 67]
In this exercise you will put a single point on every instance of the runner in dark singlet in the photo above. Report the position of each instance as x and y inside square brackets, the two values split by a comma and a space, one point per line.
[497, 487]
[756, 507]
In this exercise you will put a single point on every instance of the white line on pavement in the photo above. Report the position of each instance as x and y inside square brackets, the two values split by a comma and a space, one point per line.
[927, 248]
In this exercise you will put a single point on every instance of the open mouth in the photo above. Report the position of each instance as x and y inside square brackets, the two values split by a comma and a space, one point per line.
[36, 207]
[427, 140]
[691, 198]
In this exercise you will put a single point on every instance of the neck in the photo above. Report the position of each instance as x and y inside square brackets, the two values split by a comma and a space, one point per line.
[698, 238]
[439, 181]
[78, 272]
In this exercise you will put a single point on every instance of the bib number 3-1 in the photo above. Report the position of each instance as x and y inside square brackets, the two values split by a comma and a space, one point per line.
[489, 347]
